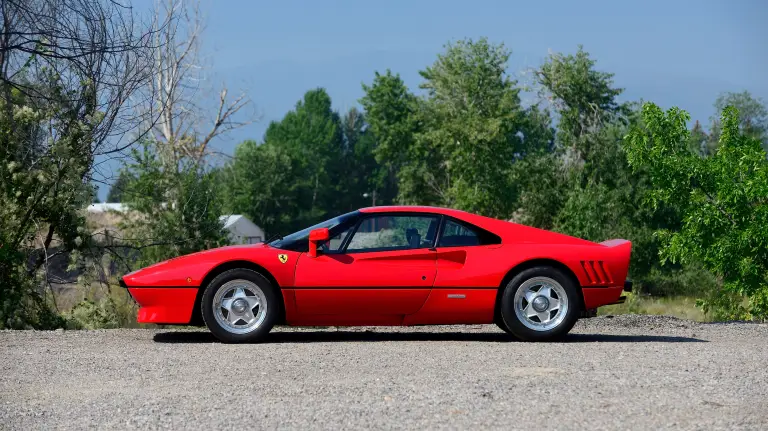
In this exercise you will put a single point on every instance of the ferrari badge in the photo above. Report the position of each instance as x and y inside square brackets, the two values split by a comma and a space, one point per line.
[283, 258]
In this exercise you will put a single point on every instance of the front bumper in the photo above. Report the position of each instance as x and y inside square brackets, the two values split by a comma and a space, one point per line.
[163, 305]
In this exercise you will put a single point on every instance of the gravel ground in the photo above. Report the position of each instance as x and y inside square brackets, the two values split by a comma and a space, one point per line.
[637, 372]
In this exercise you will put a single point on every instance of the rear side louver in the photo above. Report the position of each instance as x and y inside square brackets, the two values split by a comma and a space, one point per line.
[597, 272]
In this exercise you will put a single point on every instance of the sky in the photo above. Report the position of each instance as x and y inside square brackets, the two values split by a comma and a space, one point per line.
[674, 53]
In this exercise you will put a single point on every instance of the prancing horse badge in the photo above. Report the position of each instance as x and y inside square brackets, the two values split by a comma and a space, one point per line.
[283, 258]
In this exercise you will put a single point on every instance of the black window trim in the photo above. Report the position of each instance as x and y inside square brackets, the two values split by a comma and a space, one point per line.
[365, 216]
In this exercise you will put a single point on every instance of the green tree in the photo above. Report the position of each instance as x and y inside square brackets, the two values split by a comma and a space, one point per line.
[313, 164]
[473, 121]
[65, 76]
[586, 150]
[753, 118]
[391, 113]
[311, 133]
[174, 212]
[260, 182]
[584, 97]
[722, 203]
[698, 141]
[365, 182]
[585, 187]
[117, 189]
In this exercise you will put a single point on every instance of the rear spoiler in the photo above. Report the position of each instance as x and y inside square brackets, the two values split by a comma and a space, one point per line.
[616, 243]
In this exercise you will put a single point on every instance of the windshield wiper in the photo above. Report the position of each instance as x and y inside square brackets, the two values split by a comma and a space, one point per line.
[276, 237]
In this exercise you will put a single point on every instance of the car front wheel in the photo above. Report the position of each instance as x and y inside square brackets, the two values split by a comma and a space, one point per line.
[540, 304]
[240, 305]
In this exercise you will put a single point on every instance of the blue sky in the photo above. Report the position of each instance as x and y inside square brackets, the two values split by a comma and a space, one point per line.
[674, 52]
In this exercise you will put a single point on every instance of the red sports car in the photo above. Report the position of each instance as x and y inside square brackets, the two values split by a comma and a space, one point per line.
[400, 265]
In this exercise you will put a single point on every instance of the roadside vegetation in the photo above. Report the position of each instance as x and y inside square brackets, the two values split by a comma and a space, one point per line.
[579, 159]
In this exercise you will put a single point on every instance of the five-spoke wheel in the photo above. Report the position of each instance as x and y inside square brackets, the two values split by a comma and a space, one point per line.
[539, 303]
[239, 305]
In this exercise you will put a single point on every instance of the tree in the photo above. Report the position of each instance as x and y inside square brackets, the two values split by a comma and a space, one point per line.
[453, 147]
[68, 71]
[365, 181]
[698, 142]
[753, 117]
[391, 112]
[186, 126]
[584, 98]
[260, 182]
[174, 212]
[117, 189]
[312, 165]
[472, 118]
[721, 199]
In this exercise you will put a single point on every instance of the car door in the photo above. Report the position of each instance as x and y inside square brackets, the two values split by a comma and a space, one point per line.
[465, 288]
[385, 266]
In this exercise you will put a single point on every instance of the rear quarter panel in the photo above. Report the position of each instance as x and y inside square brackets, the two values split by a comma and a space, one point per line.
[486, 267]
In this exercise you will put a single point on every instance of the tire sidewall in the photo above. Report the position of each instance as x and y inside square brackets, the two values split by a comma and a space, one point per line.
[517, 328]
[240, 274]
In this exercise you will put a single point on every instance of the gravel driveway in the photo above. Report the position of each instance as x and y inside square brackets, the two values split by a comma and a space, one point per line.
[635, 372]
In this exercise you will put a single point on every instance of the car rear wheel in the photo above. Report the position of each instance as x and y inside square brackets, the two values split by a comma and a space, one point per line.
[240, 305]
[540, 304]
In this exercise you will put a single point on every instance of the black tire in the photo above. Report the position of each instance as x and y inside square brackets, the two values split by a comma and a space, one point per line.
[502, 326]
[522, 330]
[226, 334]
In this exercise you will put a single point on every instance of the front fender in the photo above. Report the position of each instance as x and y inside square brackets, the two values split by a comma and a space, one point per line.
[190, 270]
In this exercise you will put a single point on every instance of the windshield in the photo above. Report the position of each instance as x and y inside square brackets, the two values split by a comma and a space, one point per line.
[298, 241]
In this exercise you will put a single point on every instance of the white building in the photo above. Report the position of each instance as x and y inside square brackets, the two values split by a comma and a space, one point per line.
[241, 229]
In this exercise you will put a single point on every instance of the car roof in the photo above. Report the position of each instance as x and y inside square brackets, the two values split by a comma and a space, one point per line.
[415, 209]
[509, 232]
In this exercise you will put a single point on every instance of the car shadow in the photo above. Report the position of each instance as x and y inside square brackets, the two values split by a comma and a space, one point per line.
[191, 337]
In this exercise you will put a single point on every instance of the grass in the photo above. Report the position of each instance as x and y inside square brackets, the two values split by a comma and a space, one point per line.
[682, 307]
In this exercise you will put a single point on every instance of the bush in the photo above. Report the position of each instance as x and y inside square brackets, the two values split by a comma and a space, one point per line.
[103, 309]
[721, 201]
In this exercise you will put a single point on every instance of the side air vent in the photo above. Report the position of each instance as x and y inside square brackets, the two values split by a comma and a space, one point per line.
[596, 271]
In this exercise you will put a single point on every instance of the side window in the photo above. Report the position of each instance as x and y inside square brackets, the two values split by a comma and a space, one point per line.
[393, 232]
[336, 241]
[460, 235]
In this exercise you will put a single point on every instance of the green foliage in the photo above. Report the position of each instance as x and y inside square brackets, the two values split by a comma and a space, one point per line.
[91, 315]
[472, 117]
[260, 183]
[391, 113]
[117, 189]
[175, 212]
[102, 307]
[456, 145]
[22, 305]
[43, 187]
[583, 97]
[312, 165]
[721, 199]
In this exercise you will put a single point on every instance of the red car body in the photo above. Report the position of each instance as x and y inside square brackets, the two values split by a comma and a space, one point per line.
[438, 285]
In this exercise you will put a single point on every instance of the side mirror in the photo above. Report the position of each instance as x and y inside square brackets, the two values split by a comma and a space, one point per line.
[317, 236]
